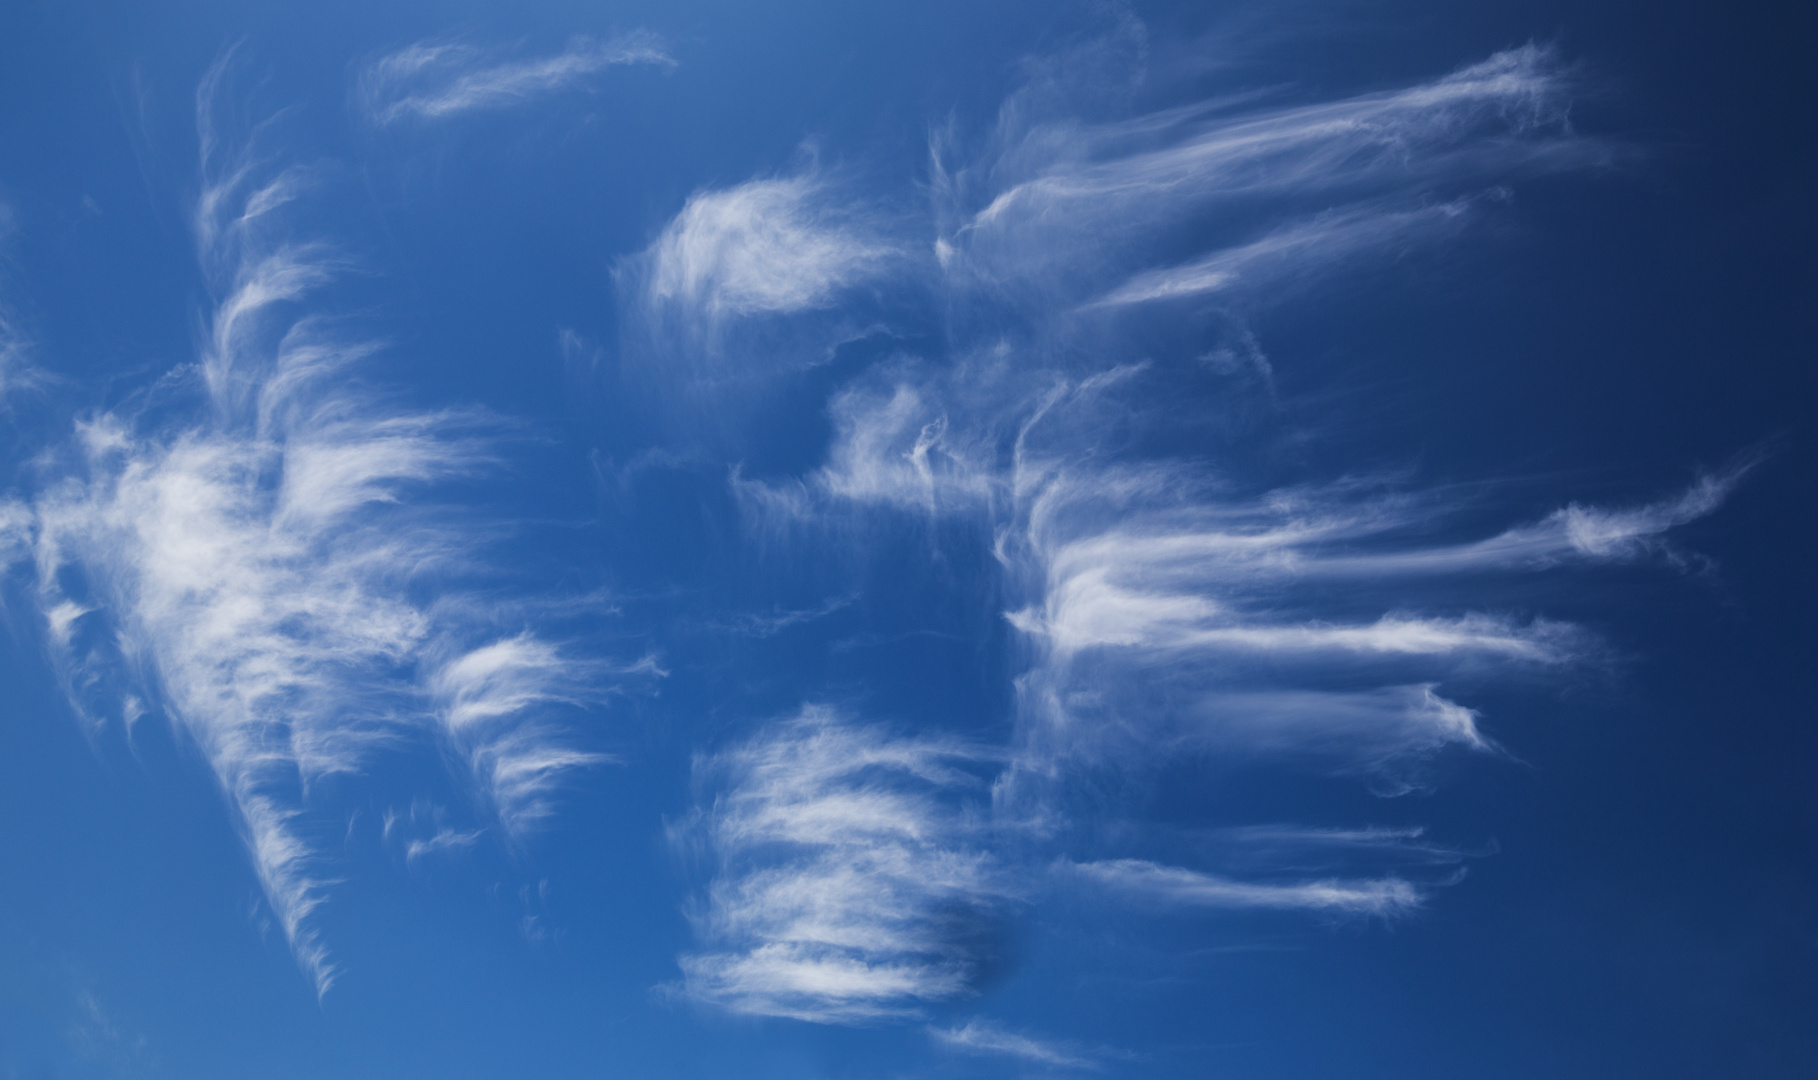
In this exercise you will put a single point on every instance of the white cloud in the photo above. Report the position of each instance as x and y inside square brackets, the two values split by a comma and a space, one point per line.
[269, 635]
[1165, 609]
[765, 247]
[1066, 208]
[776, 621]
[1370, 729]
[262, 564]
[17, 372]
[984, 1037]
[491, 698]
[1176, 886]
[1290, 250]
[893, 447]
[1326, 146]
[847, 887]
[424, 831]
[437, 81]
[1574, 533]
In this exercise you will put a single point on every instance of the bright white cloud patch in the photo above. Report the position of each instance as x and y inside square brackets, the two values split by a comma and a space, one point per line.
[437, 81]
[764, 247]
[849, 883]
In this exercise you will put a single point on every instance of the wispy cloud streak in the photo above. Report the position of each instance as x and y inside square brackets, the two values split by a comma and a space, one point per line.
[17, 372]
[437, 81]
[1291, 250]
[1180, 887]
[984, 1037]
[1057, 209]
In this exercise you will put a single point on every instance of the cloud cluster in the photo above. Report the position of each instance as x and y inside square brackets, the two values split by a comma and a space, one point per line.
[1162, 608]
[257, 549]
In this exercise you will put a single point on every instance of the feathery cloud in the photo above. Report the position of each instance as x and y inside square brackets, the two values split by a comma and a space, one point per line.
[1059, 211]
[436, 81]
[764, 247]
[260, 559]
[1158, 606]
[1179, 887]
[985, 1037]
[848, 887]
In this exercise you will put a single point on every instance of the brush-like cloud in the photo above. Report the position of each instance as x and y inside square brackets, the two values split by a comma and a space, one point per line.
[424, 832]
[270, 632]
[1574, 533]
[1059, 211]
[1370, 729]
[765, 247]
[986, 1038]
[1162, 608]
[750, 282]
[1288, 251]
[1162, 597]
[492, 699]
[1167, 610]
[849, 886]
[1198, 151]
[437, 81]
[259, 560]
[1175, 886]
[1299, 845]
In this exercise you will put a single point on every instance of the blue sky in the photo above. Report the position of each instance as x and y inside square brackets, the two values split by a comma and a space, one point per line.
[935, 540]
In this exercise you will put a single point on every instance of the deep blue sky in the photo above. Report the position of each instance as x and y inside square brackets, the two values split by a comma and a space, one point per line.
[907, 540]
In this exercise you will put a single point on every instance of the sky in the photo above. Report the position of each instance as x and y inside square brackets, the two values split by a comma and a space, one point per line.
[931, 540]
